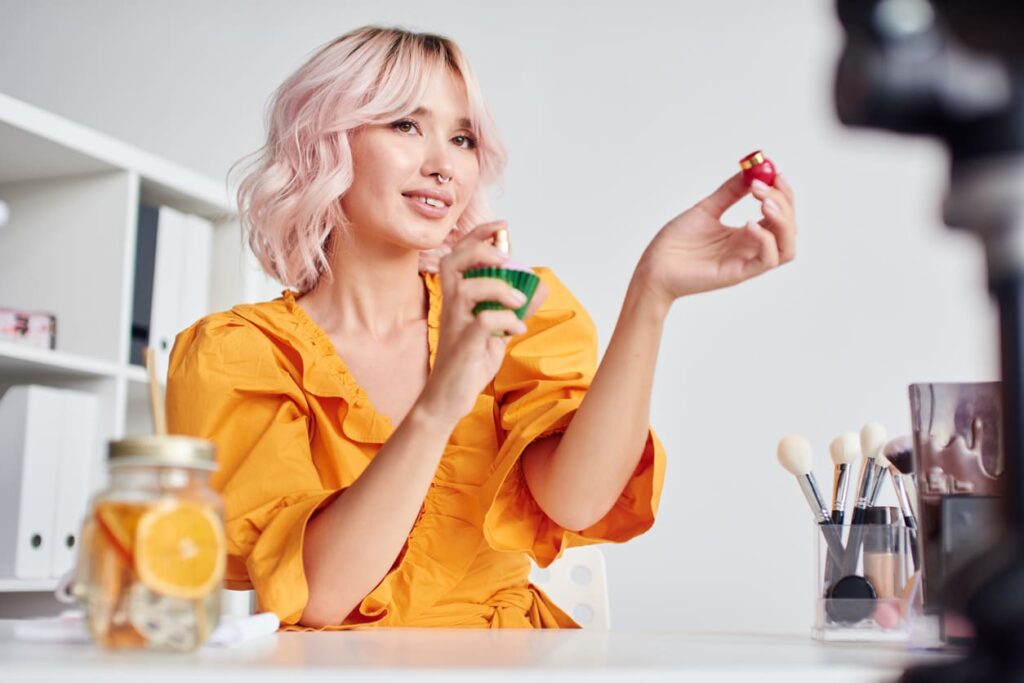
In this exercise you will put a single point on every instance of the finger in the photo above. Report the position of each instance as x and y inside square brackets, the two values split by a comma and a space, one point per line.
[772, 196]
[494, 323]
[782, 182]
[484, 231]
[782, 227]
[469, 255]
[768, 252]
[473, 290]
[727, 194]
[539, 296]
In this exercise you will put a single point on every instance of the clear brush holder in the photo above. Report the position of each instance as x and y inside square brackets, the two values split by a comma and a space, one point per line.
[867, 582]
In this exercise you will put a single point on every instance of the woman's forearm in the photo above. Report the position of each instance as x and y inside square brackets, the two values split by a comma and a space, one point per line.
[352, 543]
[578, 477]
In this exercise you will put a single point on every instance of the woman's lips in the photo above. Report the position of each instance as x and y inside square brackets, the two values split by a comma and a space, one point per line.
[426, 209]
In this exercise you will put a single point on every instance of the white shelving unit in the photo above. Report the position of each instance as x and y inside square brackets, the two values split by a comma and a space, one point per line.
[69, 250]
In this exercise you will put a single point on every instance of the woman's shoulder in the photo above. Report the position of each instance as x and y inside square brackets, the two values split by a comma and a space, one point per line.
[559, 294]
[258, 337]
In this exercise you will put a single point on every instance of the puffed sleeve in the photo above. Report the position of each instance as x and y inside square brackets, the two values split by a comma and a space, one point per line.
[226, 383]
[538, 389]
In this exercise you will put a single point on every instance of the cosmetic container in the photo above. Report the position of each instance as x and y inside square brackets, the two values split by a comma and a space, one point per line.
[876, 596]
[756, 166]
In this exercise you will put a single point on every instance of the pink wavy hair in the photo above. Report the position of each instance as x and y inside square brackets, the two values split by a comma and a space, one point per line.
[289, 200]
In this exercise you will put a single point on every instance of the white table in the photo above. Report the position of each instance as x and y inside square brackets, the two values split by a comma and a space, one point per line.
[464, 655]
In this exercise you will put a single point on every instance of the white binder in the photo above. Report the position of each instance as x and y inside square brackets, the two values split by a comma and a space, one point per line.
[77, 456]
[195, 271]
[29, 443]
[163, 321]
[181, 280]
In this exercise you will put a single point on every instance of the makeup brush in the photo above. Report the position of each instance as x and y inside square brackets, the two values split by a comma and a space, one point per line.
[872, 441]
[843, 449]
[794, 455]
[903, 461]
[901, 450]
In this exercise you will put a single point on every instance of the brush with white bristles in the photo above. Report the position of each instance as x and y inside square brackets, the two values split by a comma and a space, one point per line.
[843, 449]
[794, 455]
[901, 450]
[872, 441]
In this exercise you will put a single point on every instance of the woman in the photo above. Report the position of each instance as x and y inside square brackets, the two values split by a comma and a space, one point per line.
[389, 460]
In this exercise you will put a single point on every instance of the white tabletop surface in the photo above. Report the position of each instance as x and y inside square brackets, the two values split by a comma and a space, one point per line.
[447, 655]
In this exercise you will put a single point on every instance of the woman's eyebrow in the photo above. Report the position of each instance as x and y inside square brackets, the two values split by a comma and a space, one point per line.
[423, 111]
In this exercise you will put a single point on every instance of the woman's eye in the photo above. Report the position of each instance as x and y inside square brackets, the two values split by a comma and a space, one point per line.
[404, 126]
[464, 141]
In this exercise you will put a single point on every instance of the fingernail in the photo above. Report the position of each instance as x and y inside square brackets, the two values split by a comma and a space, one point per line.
[518, 296]
[770, 206]
[759, 185]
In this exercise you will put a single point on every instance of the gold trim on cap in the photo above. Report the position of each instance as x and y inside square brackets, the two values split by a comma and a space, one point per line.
[752, 160]
[183, 451]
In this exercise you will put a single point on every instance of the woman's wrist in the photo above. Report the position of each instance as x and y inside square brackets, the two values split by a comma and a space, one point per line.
[431, 413]
[644, 300]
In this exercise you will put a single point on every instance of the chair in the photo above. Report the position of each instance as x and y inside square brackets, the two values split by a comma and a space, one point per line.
[578, 583]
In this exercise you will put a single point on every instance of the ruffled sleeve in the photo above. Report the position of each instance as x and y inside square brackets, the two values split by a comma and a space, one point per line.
[229, 383]
[540, 386]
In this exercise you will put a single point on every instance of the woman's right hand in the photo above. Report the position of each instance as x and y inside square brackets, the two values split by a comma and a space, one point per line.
[471, 347]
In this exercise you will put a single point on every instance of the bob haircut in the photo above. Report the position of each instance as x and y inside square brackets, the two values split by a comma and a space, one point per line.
[289, 200]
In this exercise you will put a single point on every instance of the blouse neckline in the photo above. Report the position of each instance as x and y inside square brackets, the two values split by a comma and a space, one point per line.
[355, 395]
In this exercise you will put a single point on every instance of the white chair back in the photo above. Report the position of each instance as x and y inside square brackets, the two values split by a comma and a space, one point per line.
[578, 583]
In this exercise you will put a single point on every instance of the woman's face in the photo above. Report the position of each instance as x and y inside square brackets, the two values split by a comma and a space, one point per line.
[396, 166]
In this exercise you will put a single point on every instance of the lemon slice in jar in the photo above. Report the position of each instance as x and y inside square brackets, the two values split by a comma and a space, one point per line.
[180, 550]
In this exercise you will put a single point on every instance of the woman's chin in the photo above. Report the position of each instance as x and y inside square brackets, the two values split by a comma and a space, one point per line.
[428, 239]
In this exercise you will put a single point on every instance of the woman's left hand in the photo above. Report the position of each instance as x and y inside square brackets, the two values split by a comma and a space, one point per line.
[695, 252]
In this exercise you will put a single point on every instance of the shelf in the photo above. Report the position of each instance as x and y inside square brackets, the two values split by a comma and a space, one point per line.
[137, 374]
[28, 585]
[37, 144]
[17, 362]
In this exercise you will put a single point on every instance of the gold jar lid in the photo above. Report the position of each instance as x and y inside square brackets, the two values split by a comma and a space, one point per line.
[174, 451]
[752, 160]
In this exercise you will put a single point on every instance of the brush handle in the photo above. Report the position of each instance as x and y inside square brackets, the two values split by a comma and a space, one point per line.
[908, 516]
[833, 538]
[876, 488]
[810, 488]
[871, 485]
[840, 490]
[864, 487]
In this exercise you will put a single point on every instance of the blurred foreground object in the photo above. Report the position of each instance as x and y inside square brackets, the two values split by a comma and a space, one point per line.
[954, 70]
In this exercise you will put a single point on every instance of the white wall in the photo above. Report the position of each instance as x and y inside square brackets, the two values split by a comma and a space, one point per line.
[617, 116]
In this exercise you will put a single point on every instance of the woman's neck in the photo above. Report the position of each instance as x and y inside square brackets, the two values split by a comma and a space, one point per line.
[376, 290]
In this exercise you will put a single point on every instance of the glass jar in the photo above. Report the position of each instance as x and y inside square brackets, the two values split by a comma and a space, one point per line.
[151, 563]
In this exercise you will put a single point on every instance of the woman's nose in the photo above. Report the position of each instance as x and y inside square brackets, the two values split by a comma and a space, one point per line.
[438, 159]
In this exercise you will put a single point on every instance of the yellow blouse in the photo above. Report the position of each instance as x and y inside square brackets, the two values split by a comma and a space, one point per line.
[293, 429]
